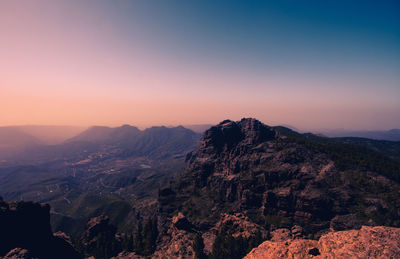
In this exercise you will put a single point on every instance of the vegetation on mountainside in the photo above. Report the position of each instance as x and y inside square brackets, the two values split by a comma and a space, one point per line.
[350, 156]
[143, 242]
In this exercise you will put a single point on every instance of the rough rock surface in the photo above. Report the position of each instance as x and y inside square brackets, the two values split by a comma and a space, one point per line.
[128, 255]
[182, 223]
[26, 226]
[235, 225]
[368, 242]
[99, 231]
[177, 243]
[18, 253]
[271, 176]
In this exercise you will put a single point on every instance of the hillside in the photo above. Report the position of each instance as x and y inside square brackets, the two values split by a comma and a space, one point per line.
[113, 173]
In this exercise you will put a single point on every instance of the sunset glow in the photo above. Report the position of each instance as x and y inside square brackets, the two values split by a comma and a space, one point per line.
[152, 63]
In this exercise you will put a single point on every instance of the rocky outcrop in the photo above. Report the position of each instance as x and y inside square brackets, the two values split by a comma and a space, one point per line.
[368, 242]
[18, 253]
[26, 232]
[278, 179]
[237, 225]
[99, 238]
[177, 242]
[182, 223]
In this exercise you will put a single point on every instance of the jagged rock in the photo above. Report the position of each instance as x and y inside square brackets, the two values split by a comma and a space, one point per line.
[18, 253]
[273, 176]
[63, 236]
[26, 225]
[177, 243]
[235, 225]
[297, 231]
[343, 222]
[182, 223]
[368, 242]
[128, 255]
[280, 234]
[99, 233]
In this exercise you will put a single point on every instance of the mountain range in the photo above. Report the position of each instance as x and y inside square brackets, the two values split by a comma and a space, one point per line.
[391, 135]
[215, 196]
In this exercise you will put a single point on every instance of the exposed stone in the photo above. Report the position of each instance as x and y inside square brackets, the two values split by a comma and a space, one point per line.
[98, 231]
[176, 243]
[343, 222]
[278, 182]
[280, 234]
[235, 225]
[26, 225]
[368, 242]
[18, 253]
[182, 223]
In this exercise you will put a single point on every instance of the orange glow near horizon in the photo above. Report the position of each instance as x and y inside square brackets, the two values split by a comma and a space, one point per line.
[66, 64]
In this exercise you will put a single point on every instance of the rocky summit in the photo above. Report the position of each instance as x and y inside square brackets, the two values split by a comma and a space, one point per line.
[279, 178]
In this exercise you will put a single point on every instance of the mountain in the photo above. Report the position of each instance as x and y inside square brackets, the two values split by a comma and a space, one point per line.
[99, 143]
[13, 140]
[391, 135]
[199, 128]
[156, 142]
[243, 183]
[105, 134]
[282, 179]
[50, 135]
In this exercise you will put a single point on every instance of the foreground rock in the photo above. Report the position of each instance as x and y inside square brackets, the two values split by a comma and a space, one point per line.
[25, 232]
[178, 240]
[368, 242]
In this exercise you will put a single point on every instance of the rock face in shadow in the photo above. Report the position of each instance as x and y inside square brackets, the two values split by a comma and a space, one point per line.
[368, 242]
[99, 239]
[26, 226]
[281, 179]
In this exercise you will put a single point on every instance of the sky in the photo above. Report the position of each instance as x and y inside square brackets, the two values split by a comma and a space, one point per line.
[308, 64]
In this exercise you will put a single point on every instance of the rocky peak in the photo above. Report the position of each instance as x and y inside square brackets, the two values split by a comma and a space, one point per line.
[228, 134]
[227, 148]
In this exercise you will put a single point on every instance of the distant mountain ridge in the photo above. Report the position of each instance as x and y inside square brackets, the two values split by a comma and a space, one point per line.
[390, 135]
[11, 137]
[157, 142]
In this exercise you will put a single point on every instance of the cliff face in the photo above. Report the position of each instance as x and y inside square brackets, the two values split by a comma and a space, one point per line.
[277, 181]
[26, 226]
[368, 242]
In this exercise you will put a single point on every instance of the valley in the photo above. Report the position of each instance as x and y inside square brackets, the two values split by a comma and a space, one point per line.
[239, 184]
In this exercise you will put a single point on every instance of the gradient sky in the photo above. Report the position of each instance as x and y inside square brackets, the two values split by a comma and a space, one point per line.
[309, 64]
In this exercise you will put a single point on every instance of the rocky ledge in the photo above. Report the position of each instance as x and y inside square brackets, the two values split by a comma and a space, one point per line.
[368, 242]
